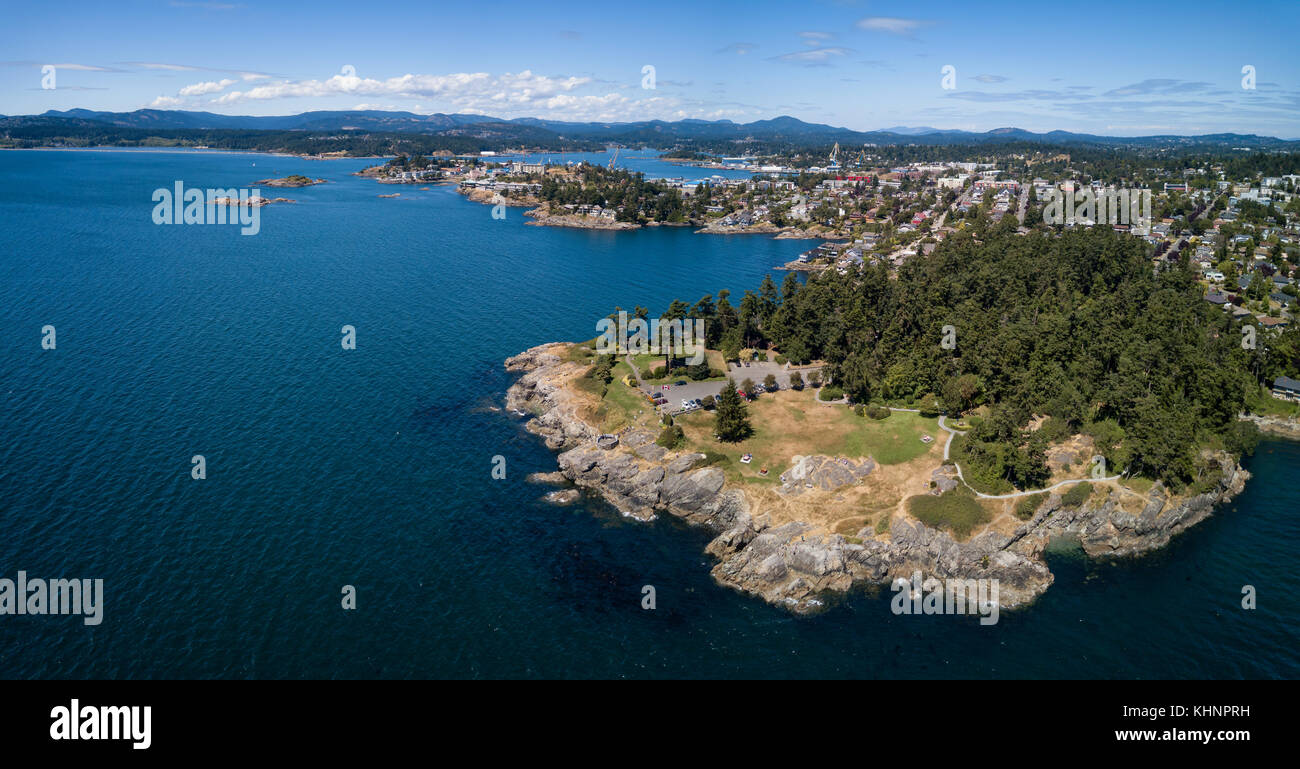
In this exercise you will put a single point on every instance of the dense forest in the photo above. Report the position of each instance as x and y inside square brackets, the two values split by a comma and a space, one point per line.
[24, 133]
[1078, 328]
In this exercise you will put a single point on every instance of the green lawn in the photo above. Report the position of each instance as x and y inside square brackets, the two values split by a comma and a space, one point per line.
[621, 403]
[1264, 404]
[790, 423]
[647, 363]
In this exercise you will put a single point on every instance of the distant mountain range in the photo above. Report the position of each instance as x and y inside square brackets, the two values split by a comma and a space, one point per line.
[657, 133]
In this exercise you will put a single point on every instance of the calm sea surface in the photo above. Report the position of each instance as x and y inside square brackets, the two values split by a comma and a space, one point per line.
[372, 467]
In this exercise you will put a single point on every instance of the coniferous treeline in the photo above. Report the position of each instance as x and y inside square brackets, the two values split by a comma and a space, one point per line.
[1076, 327]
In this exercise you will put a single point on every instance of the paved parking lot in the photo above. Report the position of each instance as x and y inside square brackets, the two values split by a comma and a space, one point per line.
[692, 390]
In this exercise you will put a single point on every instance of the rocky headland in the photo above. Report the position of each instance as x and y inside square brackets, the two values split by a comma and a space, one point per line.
[800, 565]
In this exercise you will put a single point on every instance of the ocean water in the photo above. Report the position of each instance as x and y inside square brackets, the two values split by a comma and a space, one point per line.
[372, 467]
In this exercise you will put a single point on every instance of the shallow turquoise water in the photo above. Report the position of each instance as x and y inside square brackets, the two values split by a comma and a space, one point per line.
[372, 467]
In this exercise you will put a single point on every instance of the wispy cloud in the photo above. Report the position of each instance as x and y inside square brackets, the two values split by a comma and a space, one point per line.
[209, 6]
[159, 65]
[990, 78]
[67, 66]
[892, 25]
[817, 57]
[740, 49]
[1161, 86]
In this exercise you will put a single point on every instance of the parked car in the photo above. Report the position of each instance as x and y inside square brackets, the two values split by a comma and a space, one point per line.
[680, 382]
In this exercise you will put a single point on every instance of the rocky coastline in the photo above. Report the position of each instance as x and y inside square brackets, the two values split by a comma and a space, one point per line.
[1278, 427]
[800, 566]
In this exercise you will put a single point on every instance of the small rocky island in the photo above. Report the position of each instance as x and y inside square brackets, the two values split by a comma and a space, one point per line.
[293, 180]
[255, 201]
[782, 540]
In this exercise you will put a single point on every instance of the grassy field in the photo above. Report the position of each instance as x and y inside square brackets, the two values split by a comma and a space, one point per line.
[647, 364]
[1264, 404]
[789, 423]
[621, 404]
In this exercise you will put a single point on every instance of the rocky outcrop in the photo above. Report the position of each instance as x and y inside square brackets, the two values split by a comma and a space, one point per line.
[288, 181]
[797, 565]
[793, 566]
[543, 392]
[1282, 427]
[1104, 528]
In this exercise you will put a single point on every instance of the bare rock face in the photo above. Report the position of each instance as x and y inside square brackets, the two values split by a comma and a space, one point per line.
[797, 566]
[944, 480]
[563, 497]
[1286, 427]
[826, 473]
[542, 391]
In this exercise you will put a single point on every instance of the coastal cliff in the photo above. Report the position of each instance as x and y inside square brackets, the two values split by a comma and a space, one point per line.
[798, 564]
[1280, 427]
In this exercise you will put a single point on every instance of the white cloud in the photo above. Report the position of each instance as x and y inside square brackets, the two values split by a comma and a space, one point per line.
[464, 89]
[200, 89]
[505, 95]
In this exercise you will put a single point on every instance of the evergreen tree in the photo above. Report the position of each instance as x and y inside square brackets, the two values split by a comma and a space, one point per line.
[732, 420]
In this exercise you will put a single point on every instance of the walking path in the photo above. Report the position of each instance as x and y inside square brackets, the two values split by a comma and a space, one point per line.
[948, 445]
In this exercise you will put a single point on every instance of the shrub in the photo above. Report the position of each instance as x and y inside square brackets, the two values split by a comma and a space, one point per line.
[796, 381]
[1077, 495]
[956, 511]
[830, 394]
[708, 402]
[878, 412]
[712, 458]
[781, 359]
[1054, 429]
[671, 437]
[1027, 506]
[769, 381]
[929, 406]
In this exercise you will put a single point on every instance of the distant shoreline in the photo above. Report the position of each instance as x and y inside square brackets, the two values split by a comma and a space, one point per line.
[189, 150]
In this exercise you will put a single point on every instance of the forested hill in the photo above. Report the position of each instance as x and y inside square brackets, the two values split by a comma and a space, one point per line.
[1075, 326]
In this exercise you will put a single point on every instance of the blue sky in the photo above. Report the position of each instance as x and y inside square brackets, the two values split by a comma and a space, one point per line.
[1100, 67]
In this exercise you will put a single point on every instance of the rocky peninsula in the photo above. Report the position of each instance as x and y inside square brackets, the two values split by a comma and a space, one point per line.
[799, 564]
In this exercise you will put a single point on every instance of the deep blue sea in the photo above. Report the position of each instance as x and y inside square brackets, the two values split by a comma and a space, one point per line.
[372, 467]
